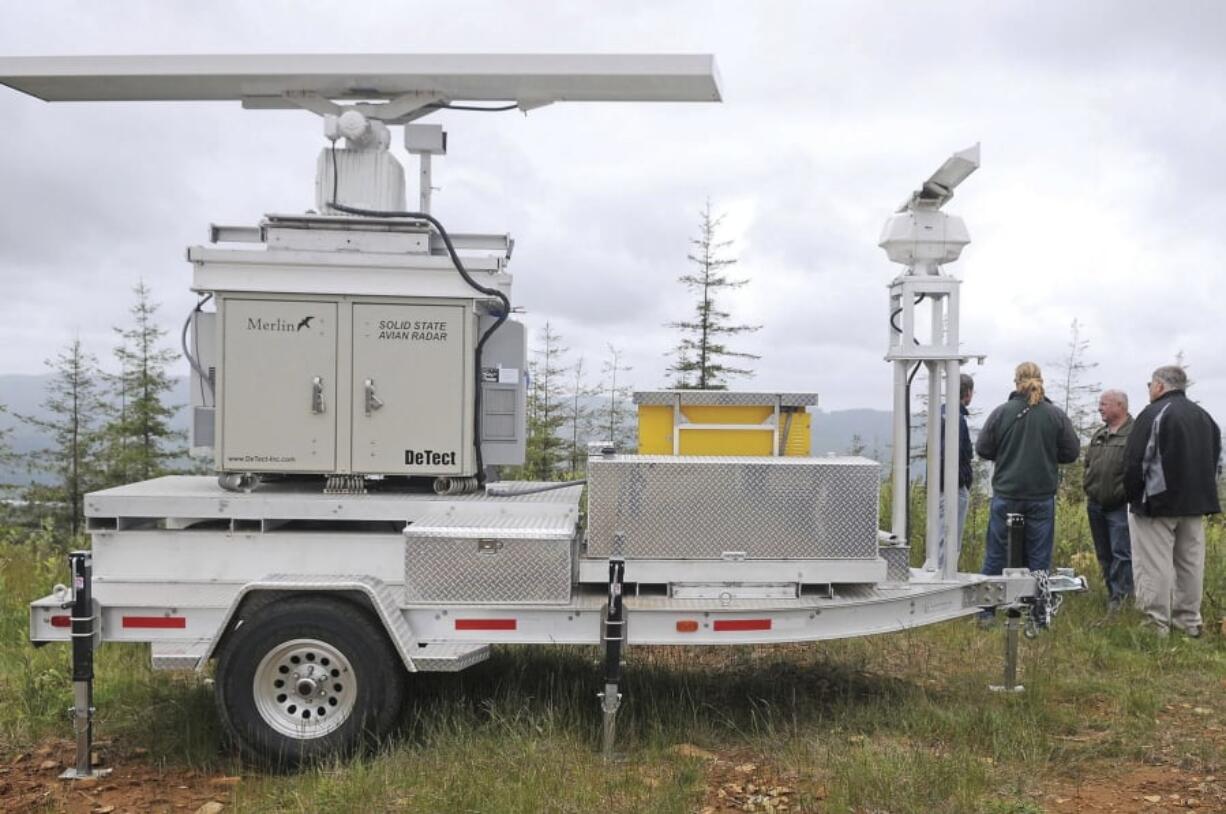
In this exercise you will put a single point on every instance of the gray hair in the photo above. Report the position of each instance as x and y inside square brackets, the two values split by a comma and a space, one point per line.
[1118, 395]
[1172, 377]
[967, 385]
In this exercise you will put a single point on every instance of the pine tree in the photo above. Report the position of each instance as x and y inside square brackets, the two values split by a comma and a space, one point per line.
[1070, 388]
[698, 362]
[547, 408]
[579, 419]
[139, 441]
[615, 416]
[1072, 392]
[75, 406]
[857, 446]
[7, 457]
[1181, 361]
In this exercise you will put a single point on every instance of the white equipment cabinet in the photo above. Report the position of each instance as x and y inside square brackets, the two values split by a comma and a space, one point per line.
[366, 387]
[347, 347]
[345, 343]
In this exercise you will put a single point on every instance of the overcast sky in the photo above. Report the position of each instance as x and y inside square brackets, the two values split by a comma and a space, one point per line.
[1102, 195]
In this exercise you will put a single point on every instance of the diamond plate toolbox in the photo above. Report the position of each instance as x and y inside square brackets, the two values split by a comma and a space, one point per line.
[523, 558]
[898, 562]
[677, 507]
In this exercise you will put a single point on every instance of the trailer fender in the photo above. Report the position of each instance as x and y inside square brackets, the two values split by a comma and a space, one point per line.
[368, 591]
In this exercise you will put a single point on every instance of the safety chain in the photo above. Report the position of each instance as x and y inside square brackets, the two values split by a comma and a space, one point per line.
[1046, 605]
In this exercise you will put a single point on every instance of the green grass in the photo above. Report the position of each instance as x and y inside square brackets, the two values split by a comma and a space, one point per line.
[899, 723]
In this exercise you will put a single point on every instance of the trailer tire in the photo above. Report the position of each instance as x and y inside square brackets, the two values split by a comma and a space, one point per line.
[307, 678]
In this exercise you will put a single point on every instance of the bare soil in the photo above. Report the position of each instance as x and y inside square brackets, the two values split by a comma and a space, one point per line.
[29, 782]
[1168, 779]
[1150, 789]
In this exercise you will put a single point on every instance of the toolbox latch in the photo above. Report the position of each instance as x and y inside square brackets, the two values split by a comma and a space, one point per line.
[489, 546]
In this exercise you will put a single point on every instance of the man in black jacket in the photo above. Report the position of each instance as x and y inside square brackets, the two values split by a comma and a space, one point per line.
[1026, 437]
[935, 560]
[1171, 463]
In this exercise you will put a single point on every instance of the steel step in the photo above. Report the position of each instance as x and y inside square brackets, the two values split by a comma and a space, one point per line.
[449, 658]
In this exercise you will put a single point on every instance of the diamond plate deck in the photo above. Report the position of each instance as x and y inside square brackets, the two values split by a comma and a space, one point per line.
[181, 497]
[673, 507]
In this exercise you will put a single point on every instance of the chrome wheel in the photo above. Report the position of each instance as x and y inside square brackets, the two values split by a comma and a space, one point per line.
[304, 688]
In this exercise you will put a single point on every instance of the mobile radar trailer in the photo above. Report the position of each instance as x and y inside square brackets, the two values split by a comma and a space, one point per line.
[358, 380]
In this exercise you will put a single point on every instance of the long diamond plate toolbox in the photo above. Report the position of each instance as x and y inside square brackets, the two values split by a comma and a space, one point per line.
[452, 557]
[678, 507]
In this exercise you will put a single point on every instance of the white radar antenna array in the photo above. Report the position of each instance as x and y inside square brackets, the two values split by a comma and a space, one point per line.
[923, 237]
[360, 95]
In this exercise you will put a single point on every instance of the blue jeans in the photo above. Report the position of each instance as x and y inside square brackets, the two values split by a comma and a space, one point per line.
[1040, 533]
[1109, 528]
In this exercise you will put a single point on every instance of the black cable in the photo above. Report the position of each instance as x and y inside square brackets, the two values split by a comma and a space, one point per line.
[473, 108]
[192, 360]
[459, 266]
[535, 490]
[894, 315]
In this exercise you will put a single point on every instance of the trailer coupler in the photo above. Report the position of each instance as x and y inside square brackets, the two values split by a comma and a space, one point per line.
[614, 637]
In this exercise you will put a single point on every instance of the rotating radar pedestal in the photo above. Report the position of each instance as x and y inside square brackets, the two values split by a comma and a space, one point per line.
[924, 333]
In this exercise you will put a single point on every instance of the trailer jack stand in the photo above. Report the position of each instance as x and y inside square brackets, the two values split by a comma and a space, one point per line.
[1013, 626]
[614, 637]
[85, 623]
[1014, 558]
[610, 702]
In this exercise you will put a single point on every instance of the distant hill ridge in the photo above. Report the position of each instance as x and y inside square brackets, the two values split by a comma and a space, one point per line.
[832, 432]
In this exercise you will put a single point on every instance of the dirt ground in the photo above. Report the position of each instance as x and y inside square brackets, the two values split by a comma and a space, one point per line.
[1151, 789]
[29, 782]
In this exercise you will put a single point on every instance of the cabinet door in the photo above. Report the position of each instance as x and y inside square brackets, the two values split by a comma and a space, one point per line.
[408, 389]
[279, 386]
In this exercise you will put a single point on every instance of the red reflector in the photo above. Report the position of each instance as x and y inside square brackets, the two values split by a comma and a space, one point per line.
[486, 624]
[742, 624]
[61, 621]
[687, 626]
[155, 621]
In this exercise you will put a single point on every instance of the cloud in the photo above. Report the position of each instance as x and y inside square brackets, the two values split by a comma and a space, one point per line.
[1100, 198]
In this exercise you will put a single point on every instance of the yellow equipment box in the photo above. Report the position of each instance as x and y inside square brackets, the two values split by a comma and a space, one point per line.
[717, 422]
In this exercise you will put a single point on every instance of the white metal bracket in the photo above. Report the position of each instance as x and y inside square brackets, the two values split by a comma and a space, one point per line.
[402, 109]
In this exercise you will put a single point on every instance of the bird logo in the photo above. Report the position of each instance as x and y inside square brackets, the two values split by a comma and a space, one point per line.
[306, 323]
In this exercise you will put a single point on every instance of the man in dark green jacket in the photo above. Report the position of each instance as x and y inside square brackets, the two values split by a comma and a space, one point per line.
[1106, 505]
[1026, 437]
